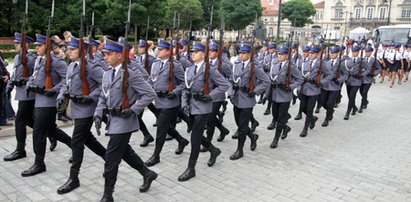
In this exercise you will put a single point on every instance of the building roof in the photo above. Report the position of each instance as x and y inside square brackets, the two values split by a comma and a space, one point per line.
[319, 4]
[270, 6]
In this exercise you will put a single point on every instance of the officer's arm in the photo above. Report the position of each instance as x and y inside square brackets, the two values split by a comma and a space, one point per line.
[227, 69]
[297, 79]
[221, 83]
[141, 86]
[60, 67]
[262, 76]
[96, 74]
[178, 78]
[327, 75]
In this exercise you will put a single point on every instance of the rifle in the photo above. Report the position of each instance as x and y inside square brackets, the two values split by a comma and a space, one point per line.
[320, 69]
[338, 75]
[177, 43]
[251, 84]
[126, 61]
[171, 61]
[189, 38]
[220, 46]
[90, 48]
[288, 80]
[375, 59]
[207, 60]
[361, 60]
[23, 52]
[49, 81]
[147, 57]
[296, 52]
[82, 54]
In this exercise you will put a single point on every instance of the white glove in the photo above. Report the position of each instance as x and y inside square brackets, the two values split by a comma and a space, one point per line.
[295, 92]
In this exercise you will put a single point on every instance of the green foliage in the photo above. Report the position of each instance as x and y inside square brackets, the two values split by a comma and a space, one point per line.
[240, 13]
[298, 12]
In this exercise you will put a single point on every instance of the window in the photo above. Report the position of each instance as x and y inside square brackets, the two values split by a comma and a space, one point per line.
[338, 13]
[370, 13]
[382, 13]
[357, 13]
[270, 31]
[406, 12]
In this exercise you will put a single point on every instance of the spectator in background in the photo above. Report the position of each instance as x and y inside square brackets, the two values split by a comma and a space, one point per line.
[5, 76]
[67, 36]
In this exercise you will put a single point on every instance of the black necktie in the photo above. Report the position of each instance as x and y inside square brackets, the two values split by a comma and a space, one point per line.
[195, 70]
[395, 54]
[354, 60]
[332, 63]
[243, 66]
[281, 64]
[162, 64]
[113, 74]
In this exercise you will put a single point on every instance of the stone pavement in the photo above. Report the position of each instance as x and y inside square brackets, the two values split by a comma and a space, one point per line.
[364, 159]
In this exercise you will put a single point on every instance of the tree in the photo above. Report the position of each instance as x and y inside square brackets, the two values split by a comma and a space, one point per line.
[189, 10]
[298, 12]
[238, 14]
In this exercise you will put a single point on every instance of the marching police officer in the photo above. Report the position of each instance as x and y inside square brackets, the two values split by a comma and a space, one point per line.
[203, 85]
[242, 95]
[371, 69]
[168, 100]
[270, 58]
[354, 66]
[305, 58]
[141, 57]
[315, 75]
[122, 121]
[331, 89]
[84, 95]
[45, 104]
[19, 78]
[96, 54]
[285, 79]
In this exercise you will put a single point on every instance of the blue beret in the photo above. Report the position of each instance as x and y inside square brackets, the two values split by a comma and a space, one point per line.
[306, 49]
[197, 46]
[369, 49]
[283, 50]
[185, 42]
[121, 42]
[355, 49]
[272, 45]
[335, 49]
[141, 43]
[74, 43]
[315, 49]
[163, 44]
[397, 45]
[245, 47]
[93, 42]
[17, 38]
[111, 46]
[214, 46]
[180, 46]
[40, 39]
[293, 46]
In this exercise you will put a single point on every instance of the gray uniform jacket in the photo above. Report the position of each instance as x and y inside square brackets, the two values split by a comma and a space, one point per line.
[226, 71]
[74, 87]
[333, 85]
[355, 75]
[369, 73]
[139, 92]
[309, 71]
[159, 81]
[58, 71]
[185, 63]
[241, 79]
[194, 85]
[17, 77]
[278, 78]
[141, 60]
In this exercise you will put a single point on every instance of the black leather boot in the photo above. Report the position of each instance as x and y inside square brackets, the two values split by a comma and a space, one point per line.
[147, 139]
[72, 183]
[224, 132]
[299, 116]
[19, 153]
[286, 130]
[214, 153]
[347, 114]
[304, 133]
[325, 123]
[37, 168]
[53, 143]
[235, 136]
[354, 110]
[148, 177]
[153, 160]
[313, 121]
[272, 125]
[239, 152]
[181, 146]
[108, 195]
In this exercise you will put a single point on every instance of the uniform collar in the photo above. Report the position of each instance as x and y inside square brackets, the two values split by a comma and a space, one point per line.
[246, 62]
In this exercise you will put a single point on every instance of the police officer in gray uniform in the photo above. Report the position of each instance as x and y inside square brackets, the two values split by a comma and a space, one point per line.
[355, 76]
[331, 89]
[141, 57]
[372, 68]
[270, 58]
[310, 89]
[197, 101]
[225, 70]
[122, 121]
[305, 58]
[242, 95]
[285, 79]
[19, 78]
[167, 101]
[83, 105]
[96, 54]
[45, 104]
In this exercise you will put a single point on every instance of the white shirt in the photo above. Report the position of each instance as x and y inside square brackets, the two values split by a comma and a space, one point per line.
[198, 66]
[245, 63]
[117, 68]
[213, 62]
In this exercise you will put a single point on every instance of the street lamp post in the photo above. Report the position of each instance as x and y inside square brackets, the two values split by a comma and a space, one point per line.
[389, 10]
[16, 16]
[279, 20]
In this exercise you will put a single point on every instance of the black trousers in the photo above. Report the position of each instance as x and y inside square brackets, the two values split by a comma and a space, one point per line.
[307, 106]
[165, 120]
[242, 117]
[82, 136]
[118, 148]
[364, 94]
[280, 111]
[24, 117]
[328, 99]
[352, 93]
[197, 137]
[143, 127]
[213, 121]
[45, 125]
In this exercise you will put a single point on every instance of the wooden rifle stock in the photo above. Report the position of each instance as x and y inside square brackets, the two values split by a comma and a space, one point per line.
[338, 75]
[320, 69]
[288, 80]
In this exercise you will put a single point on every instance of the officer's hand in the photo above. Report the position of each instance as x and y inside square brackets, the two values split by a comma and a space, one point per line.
[28, 92]
[85, 99]
[97, 124]
[126, 113]
[251, 94]
[186, 110]
[207, 98]
[171, 95]
[59, 103]
[335, 80]
[286, 88]
[49, 92]
[295, 92]
[8, 91]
